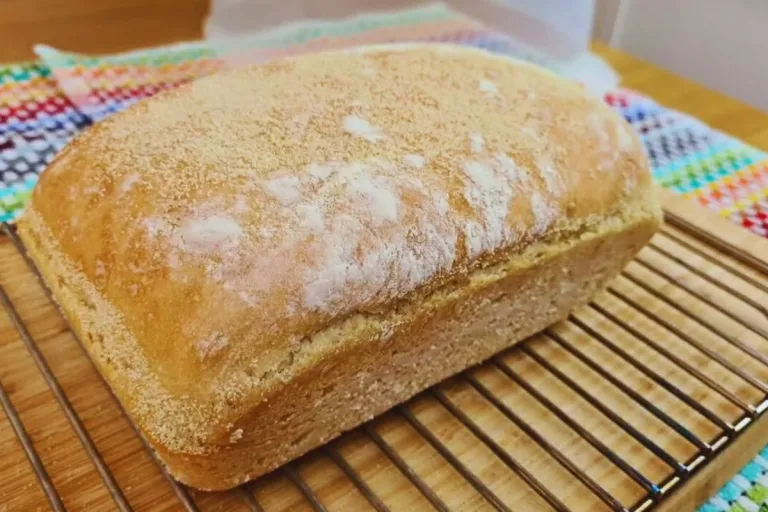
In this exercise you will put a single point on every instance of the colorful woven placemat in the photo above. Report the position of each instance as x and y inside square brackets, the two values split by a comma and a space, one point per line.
[745, 492]
[36, 120]
[42, 105]
[692, 159]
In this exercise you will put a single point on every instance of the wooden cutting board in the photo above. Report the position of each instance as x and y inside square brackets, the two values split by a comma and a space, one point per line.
[651, 397]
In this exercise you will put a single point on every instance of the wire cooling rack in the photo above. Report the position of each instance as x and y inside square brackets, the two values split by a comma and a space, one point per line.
[613, 409]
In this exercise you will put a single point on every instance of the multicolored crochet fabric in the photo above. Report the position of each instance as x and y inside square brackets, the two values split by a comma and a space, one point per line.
[746, 492]
[36, 120]
[692, 159]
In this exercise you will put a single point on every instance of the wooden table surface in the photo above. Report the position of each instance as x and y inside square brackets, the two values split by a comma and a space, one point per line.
[96, 26]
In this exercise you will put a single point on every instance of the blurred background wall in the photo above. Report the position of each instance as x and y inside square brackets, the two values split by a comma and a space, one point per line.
[720, 43]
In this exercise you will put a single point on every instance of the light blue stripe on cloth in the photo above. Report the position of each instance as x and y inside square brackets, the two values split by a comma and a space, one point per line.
[702, 158]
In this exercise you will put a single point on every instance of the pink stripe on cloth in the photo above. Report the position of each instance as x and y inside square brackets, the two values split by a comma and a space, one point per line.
[83, 86]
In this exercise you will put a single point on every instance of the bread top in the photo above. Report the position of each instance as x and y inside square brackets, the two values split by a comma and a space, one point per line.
[232, 218]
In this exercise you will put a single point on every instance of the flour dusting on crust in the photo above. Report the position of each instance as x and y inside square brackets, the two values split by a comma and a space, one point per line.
[212, 345]
[374, 249]
[361, 128]
[415, 161]
[214, 235]
[544, 213]
[552, 178]
[491, 186]
[488, 87]
[129, 182]
[476, 143]
[285, 189]
[320, 172]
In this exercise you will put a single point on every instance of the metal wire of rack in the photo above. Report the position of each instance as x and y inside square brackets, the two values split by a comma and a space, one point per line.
[729, 260]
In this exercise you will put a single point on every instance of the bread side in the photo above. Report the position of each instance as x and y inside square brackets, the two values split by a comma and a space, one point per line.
[362, 374]
[216, 250]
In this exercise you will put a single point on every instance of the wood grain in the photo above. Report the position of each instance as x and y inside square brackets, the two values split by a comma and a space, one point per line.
[96, 27]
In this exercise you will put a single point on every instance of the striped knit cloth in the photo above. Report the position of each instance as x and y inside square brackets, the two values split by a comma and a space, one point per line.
[36, 120]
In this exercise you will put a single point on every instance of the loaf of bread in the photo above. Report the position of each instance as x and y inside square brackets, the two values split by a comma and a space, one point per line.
[265, 258]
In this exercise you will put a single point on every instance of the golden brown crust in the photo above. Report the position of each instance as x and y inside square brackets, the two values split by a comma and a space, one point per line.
[354, 383]
[235, 234]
